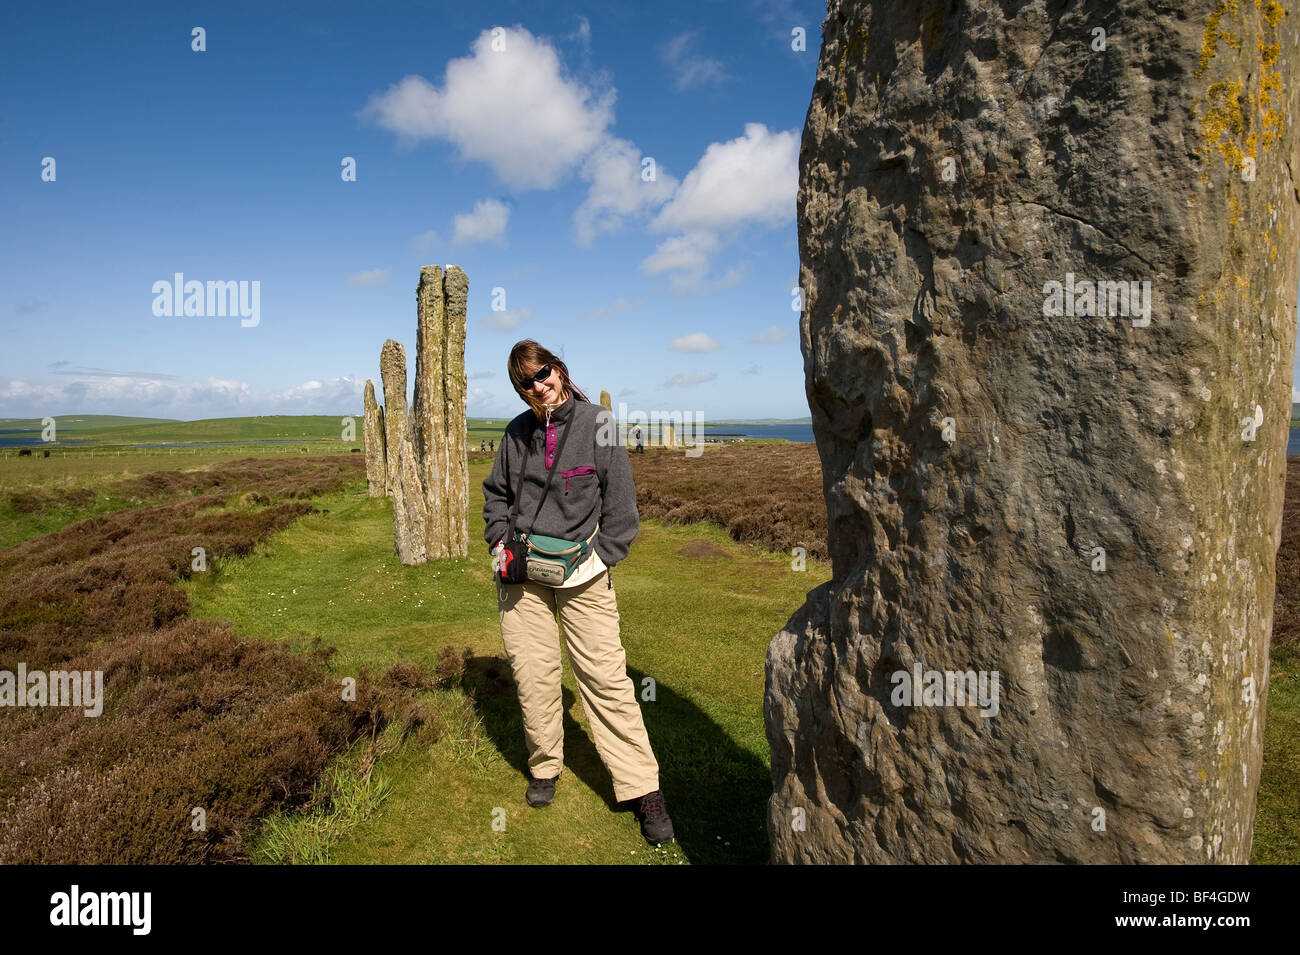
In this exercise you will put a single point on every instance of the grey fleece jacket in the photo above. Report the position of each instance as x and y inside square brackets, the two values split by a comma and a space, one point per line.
[589, 483]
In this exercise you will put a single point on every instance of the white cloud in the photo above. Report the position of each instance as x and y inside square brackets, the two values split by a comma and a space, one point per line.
[481, 374]
[751, 180]
[689, 68]
[165, 397]
[616, 307]
[513, 109]
[426, 241]
[487, 223]
[699, 342]
[753, 369]
[371, 279]
[685, 381]
[748, 182]
[772, 335]
[503, 321]
[617, 190]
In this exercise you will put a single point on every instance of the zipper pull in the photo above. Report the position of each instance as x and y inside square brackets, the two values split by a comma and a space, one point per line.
[609, 579]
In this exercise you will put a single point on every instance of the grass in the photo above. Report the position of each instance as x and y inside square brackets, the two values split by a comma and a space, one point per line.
[457, 785]
[444, 783]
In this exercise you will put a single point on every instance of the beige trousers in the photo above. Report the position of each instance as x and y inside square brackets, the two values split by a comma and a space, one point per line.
[588, 616]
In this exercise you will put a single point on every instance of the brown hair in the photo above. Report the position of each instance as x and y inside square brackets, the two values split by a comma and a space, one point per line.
[529, 353]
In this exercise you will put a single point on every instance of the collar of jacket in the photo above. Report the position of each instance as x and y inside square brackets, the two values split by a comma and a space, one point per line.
[562, 413]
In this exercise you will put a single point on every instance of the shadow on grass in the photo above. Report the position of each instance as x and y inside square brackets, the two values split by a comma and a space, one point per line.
[716, 791]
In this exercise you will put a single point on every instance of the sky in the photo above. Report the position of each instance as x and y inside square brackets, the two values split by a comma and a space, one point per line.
[617, 180]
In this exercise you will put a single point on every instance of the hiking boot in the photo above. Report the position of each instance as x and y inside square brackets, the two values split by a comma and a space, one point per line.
[540, 791]
[653, 815]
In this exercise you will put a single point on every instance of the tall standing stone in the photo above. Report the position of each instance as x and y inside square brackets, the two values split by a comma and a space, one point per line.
[670, 437]
[373, 435]
[1088, 505]
[438, 416]
[410, 512]
[392, 372]
[605, 401]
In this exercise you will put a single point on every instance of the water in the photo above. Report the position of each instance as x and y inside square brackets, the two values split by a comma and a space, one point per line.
[791, 432]
[1293, 442]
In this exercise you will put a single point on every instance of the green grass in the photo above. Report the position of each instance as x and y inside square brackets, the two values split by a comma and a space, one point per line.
[1277, 811]
[698, 626]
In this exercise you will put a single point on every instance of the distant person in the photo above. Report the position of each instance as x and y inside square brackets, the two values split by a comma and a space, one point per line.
[482, 446]
[492, 447]
[553, 478]
[640, 448]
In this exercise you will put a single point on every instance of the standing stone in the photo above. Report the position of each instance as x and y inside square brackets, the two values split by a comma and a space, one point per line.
[605, 401]
[392, 372]
[670, 437]
[410, 514]
[373, 435]
[438, 416]
[1087, 504]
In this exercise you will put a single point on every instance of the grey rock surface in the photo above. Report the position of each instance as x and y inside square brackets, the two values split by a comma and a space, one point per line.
[392, 373]
[373, 436]
[1083, 501]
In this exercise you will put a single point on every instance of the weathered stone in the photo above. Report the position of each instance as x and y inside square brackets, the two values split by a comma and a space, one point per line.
[669, 436]
[605, 401]
[438, 416]
[1083, 505]
[373, 436]
[392, 373]
[410, 513]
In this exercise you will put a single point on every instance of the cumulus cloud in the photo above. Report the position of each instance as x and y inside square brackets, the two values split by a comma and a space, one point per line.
[685, 381]
[504, 321]
[750, 180]
[512, 108]
[772, 335]
[370, 279]
[617, 189]
[690, 69]
[747, 182]
[481, 374]
[487, 223]
[699, 342]
[516, 110]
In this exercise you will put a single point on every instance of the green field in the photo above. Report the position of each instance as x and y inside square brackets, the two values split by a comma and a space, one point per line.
[698, 625]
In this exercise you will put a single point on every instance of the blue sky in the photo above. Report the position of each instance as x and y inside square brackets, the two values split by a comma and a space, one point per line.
[522, 165]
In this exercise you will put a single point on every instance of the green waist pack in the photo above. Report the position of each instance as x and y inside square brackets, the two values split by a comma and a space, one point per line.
[552, 560]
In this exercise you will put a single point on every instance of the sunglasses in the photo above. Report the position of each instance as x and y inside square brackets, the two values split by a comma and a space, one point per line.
[542, 374]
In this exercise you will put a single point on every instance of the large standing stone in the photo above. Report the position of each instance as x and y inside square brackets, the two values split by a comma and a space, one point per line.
[1081, 503]
[410, 513]
[438, 416]
[392, 372]
[605, 401]
[373, 435]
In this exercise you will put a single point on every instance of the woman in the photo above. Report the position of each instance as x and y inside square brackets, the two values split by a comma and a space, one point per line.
[590, 492]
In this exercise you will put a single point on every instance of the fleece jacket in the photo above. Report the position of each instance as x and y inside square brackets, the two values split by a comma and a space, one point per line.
[591, 482]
